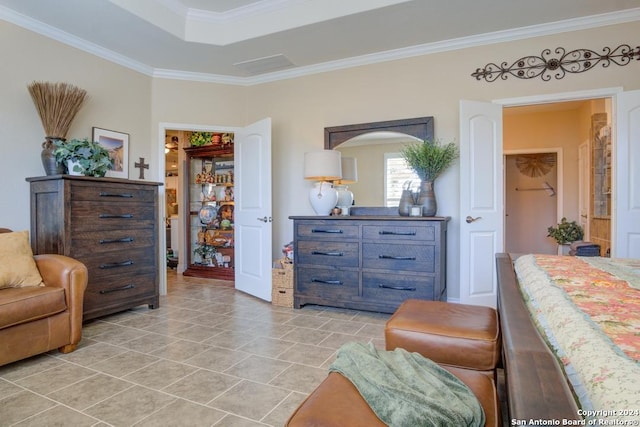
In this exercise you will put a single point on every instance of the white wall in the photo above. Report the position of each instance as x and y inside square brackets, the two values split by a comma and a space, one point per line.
[300, 108]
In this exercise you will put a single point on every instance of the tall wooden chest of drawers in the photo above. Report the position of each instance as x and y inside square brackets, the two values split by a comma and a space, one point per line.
[109, 224]
[368, 263]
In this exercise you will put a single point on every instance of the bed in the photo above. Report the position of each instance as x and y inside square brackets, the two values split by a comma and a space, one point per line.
[571, 338]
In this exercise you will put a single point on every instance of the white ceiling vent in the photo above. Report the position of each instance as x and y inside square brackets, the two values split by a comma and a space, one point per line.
[267, 64]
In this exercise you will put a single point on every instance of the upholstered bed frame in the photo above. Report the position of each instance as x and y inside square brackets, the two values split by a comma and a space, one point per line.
[535, 385]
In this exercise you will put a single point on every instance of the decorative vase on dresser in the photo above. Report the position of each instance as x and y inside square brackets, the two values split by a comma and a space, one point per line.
[369, 262]
[109, 224]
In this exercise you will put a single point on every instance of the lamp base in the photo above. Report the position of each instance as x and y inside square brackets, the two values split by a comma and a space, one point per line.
[345, 196]
[323, 198]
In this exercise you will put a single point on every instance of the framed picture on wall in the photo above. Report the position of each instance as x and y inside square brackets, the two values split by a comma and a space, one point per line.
[118, 145]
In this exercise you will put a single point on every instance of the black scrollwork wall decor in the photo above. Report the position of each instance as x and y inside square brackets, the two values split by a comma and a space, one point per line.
[558, 64]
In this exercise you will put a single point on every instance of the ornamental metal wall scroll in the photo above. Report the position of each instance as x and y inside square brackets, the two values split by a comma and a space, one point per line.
[548, 65]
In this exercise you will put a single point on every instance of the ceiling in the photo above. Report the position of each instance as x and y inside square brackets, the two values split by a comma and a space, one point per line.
[249, 41]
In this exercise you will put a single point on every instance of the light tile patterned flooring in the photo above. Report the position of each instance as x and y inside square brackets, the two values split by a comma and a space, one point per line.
[209, 356]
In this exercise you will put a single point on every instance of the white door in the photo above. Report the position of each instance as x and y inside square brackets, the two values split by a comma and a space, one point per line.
[584, 188]
[626, 209]
[252, 212]
[481, 201]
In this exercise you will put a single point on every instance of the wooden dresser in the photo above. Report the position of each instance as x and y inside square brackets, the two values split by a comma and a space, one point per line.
[109, 224]
[368, 262]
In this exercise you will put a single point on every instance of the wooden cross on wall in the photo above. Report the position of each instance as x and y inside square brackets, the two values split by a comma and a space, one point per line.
[142, 165]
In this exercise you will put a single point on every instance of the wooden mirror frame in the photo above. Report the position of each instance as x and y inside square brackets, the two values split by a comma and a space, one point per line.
[420, 127]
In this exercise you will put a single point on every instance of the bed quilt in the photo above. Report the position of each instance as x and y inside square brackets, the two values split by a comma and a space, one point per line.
[588, 310]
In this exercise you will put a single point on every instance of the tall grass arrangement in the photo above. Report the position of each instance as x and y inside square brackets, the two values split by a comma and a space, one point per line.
[430, 158]
[57, 104]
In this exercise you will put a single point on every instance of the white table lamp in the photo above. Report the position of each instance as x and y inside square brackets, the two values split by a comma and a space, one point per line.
[349, 176]
[322, 166]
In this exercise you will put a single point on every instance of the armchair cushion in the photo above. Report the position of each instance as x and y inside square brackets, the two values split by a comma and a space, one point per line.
[26, 305]
[17, 267]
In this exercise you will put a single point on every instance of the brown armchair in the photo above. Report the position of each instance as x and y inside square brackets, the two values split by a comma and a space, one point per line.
[35, 320]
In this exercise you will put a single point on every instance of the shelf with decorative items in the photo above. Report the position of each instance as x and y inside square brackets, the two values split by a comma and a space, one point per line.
[210, 200]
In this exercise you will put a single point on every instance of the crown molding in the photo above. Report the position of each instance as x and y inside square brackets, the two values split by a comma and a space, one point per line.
[56, 34]
[611, 18]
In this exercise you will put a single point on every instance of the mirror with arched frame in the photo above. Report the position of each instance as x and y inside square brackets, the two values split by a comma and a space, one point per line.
[372, 144]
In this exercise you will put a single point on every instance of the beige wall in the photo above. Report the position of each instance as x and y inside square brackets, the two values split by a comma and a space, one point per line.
[119, 99]
[300, 108]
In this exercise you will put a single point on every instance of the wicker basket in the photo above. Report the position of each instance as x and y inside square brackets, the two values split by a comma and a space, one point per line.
[282, 287]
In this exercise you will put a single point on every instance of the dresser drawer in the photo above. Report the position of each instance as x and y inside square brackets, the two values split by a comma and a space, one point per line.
[135, 261]
[112, 193]
[89, 243]
[101, 293]
[396, 288]
[339, 254]
[400, 257]
[322, 231]
[111, 216]
[326, 283]
[404, 231]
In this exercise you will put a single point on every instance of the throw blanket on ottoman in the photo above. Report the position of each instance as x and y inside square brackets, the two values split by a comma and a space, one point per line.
[407, 389]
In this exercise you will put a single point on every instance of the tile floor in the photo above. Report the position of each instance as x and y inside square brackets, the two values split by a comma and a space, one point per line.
[209, 356]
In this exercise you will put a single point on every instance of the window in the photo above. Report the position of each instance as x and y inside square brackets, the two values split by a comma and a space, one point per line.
[396, 174]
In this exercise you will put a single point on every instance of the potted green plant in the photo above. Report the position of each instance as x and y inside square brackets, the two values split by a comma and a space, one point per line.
[566, 232]
[198, 139]
[83, 157]
[429, 159]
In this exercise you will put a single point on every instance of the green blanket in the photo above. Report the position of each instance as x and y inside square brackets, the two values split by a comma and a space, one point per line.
[407, 389]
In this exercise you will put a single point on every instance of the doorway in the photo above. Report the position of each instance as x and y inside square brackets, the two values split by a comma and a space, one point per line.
[572, 130]
[531, 200]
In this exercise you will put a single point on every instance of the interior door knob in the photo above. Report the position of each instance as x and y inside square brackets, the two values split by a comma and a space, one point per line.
[265, 219]
[470, 219]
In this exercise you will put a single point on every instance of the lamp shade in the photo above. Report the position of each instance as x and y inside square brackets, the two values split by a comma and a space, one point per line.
[322, 165]
[349, 170]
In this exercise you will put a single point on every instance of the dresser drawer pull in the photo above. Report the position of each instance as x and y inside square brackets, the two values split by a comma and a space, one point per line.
[399, 258]
[397, 233]
[123, 240]
[115, 216]
[327, 253]
[116, 264]
[125, 195]
[333, 231]
[327, 282]
[397, 288]
[121, 288]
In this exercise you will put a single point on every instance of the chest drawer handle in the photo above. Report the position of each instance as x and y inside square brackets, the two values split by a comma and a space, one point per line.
[115, 216]
[327, 253]
[125, 195]
[397, 233]
[121, 288]
[123, 240]
[319, 230]
[397, 288]
[116, 264]
[399, 258]
[327, 282]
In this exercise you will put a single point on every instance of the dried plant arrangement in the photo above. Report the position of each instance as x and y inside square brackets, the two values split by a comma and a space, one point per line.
[57, 104]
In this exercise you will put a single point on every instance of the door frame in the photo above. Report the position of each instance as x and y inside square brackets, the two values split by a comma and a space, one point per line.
[610, 92]
[160, 177]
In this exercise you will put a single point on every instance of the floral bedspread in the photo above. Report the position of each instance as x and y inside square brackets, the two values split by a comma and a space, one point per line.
[588, 309]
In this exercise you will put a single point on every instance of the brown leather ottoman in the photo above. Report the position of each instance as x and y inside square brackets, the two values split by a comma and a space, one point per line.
[459, 335]
[337, 403]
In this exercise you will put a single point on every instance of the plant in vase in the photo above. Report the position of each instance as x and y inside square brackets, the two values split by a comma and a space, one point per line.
[429, 159]
[83, 157]
[565, 233]
[57, 105]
